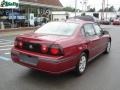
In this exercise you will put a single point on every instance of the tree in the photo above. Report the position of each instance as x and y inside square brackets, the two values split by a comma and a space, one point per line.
[119, 9]
[110, 9]
[70, 9]
[83, 14]
[91, 10]
[100, 10]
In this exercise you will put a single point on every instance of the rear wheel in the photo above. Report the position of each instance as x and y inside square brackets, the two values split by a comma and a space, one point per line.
[107, 50]
[81, 66]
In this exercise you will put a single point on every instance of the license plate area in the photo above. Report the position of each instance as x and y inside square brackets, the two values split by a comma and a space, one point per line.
[32, 60]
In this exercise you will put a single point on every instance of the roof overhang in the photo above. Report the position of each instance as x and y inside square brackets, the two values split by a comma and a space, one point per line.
[40, 5]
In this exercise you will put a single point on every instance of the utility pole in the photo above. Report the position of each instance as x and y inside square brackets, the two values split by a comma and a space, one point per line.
[28, 13]
[103, 8]
[12, 18]
[107, 10]
[84, 5]
[75, 7]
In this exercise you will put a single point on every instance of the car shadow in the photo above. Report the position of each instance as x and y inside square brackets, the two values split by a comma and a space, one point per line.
[97, 59]
[37, 77]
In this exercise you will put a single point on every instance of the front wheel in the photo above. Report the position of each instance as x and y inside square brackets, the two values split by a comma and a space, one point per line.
[81, 66]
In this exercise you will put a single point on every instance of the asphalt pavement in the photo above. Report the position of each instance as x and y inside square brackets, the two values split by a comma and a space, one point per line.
[103, 73]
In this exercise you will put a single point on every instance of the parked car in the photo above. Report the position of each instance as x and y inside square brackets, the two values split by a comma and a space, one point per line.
[116, 22]
[105, 22]
[59, 47]
[27, 23]
[38, 21]
[88, 18]
[6, 24]
[112, 19]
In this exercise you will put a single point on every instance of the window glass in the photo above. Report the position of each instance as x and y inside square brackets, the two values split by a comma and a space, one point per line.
[82, 31]
[58, 28]
[98, 30]
[89, 30]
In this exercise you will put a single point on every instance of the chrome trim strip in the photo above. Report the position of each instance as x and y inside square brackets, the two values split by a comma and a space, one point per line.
[95, 56]
[59, 60]
[69, 69]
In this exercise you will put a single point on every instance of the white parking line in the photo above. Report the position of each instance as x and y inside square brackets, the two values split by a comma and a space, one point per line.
[6, 46]
[1, 41]
[7, 53]
[5, 49]
[6, 43]
[6, 40]
[4, 58]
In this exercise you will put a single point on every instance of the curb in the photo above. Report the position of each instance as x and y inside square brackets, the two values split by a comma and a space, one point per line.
[18, 29]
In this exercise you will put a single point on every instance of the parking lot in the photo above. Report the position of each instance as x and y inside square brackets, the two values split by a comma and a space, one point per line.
[102, 73]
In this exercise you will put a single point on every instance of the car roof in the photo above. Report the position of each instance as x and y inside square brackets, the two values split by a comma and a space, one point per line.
[78, 21]
[85, 18]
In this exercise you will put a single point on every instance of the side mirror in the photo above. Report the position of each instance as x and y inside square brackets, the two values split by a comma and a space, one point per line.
[104, 29]
[105, 32]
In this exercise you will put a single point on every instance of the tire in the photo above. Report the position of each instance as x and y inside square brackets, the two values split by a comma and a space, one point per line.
[107, 50]
[81, 65]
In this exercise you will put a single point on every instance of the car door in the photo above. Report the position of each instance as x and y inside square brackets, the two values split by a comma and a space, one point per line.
[103, 39]
[92, 39]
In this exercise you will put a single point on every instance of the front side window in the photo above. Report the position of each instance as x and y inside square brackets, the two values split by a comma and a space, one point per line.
[58, 28]
[89, 30]
[98, 30]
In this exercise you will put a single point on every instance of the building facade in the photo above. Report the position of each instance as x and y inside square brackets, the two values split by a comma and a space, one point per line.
[38, 10]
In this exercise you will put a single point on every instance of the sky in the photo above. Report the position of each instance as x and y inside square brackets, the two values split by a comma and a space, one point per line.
[93, 3]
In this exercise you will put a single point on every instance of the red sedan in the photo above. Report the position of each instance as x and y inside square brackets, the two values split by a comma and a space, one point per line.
[116, 22]
[59, 47]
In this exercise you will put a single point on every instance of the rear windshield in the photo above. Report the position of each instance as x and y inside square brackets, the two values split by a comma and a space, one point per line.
[57, 28]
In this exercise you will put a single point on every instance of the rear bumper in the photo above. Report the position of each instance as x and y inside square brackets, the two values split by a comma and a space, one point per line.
[45, 64]
[116, 23]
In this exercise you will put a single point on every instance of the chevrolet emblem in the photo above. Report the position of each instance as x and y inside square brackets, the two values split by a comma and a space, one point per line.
[31, 47]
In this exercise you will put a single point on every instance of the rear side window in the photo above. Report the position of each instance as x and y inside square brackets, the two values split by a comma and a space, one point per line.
[89, 30]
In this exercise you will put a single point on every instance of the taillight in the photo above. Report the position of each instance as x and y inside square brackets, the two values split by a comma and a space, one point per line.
[44, 48]
[56, 50]
[20, 44]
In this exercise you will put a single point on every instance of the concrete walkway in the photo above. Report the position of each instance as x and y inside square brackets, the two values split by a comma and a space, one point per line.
[17, 31]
